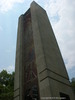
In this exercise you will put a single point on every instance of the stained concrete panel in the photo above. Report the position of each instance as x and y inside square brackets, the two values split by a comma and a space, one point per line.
[50, 64]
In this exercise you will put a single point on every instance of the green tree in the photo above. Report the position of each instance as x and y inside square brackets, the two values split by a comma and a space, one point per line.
[73, 84]
[6, 85]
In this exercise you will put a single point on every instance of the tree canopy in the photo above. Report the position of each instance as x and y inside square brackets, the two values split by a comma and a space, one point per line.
[6, 85]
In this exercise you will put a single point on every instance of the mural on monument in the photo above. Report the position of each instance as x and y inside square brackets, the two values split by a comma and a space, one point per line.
[31, 74]
[30, 70]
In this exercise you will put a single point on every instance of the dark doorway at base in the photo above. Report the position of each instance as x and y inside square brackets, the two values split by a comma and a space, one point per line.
[64, 96]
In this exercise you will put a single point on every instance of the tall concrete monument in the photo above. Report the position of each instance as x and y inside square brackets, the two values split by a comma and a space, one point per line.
[40, 72]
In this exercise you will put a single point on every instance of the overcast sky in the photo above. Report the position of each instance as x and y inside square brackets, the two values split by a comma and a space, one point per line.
[61, 14]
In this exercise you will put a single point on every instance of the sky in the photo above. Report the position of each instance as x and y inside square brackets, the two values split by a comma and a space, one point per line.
[61, 14]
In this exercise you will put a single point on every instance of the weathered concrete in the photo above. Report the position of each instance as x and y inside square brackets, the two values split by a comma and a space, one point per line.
[38, 56]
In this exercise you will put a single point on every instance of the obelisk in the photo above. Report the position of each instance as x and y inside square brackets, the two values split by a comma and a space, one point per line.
[40, 71]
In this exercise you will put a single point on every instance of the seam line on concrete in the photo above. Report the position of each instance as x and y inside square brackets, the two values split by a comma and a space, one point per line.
[16, 96]
[55, 80]
[53, 72]
[16, 89]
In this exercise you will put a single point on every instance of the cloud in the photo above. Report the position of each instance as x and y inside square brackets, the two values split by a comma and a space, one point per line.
[62, 17]
[1, 28]
[6, 5]
[10, 68]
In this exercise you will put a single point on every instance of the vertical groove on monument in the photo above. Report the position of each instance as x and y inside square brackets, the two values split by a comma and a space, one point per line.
[30, 81]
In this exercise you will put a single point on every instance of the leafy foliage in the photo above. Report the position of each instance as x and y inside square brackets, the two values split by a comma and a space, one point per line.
[6, 85]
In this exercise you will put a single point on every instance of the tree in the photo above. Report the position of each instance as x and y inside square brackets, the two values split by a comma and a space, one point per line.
[6, 85]
[73, 84]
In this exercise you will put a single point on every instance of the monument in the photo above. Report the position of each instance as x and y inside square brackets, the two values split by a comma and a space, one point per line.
[40, 72]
